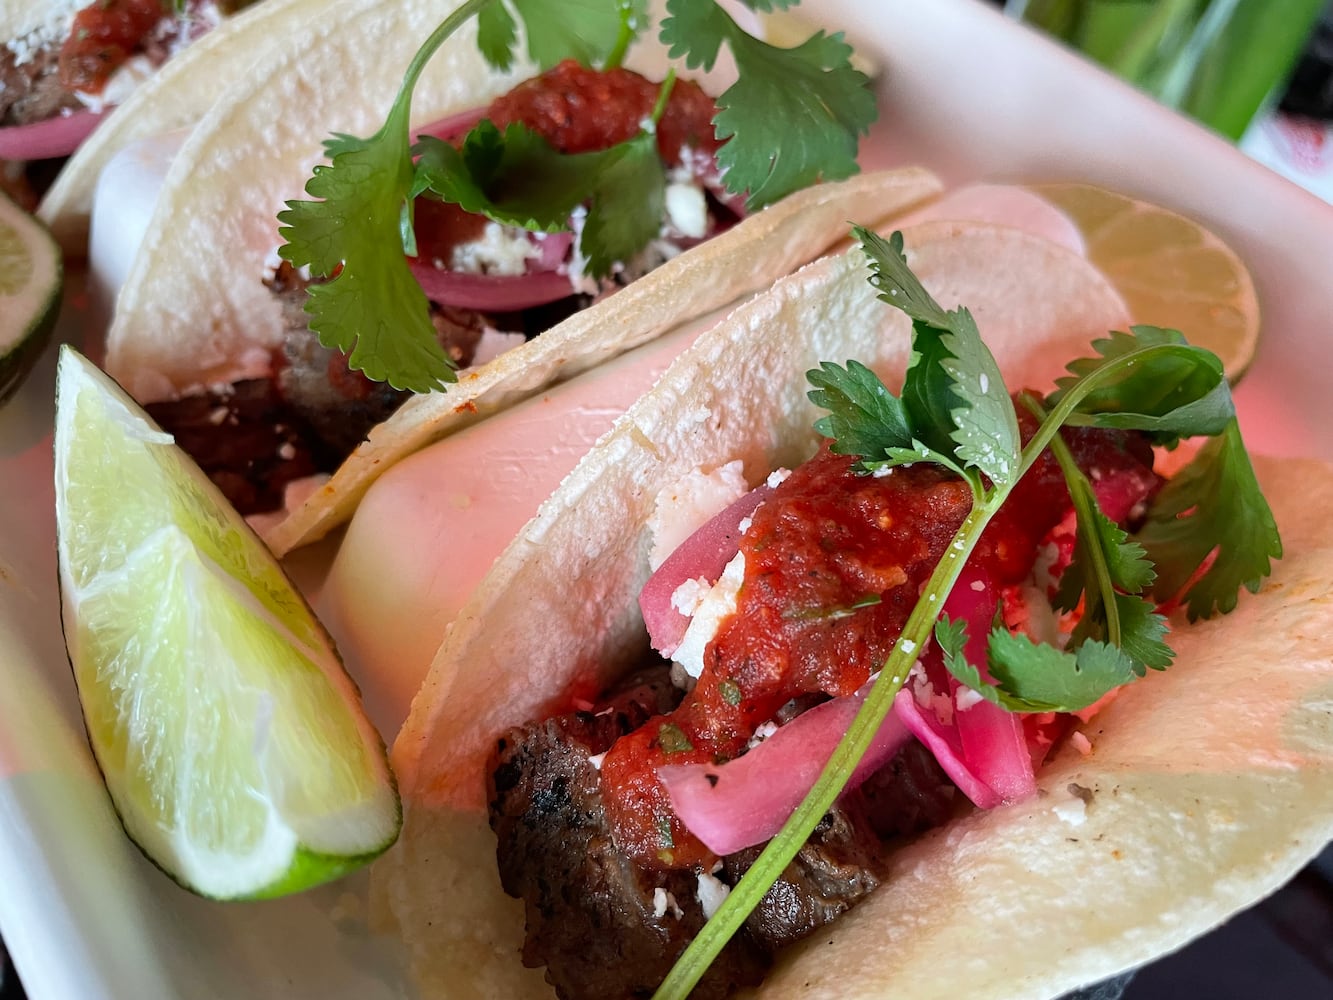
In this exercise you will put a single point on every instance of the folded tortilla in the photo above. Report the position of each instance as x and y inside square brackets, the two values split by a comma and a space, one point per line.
[195, 312]
[178, 95]
[1211, 783]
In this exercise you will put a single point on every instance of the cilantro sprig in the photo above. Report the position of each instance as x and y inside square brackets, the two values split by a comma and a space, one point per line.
[1210, 524]
[793, 117]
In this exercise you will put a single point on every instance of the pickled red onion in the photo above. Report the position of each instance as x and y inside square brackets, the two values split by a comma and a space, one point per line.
[703, 555]
[57, 136]
[745, 801]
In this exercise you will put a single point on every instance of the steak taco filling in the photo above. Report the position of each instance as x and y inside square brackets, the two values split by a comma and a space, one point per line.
[623, 825]
[89, 56]
[908, 622]
[490, 286]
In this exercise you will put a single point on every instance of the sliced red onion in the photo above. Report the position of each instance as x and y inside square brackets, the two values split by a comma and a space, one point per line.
[554, 249]
[454, 126]
[704, 554]
[942, 741]
[745, 801]
[993, 740]
[489, 292]
[57, 136]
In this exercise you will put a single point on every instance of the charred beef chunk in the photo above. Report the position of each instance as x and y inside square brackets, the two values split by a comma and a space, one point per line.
[245, 440]
[32, 92]
[341, 405]
[841, 862]
[607, 928]
[602, 926]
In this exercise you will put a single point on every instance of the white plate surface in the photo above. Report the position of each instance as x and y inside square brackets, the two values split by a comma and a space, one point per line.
[962, 91]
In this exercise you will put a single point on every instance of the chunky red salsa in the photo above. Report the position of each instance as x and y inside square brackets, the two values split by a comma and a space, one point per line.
[105, 34]
[579, 110]
[834, 562]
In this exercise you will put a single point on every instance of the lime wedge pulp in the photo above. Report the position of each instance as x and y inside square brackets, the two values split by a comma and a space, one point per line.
[30, 281]
[231, 740]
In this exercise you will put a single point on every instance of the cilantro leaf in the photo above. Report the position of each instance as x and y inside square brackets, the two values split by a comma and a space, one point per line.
[585, 30]
[1108, 571]
[516, 177]
[373, 309]
[1041, 675]
[1167, 388]
[497, 36]
[628, 200]
[519, 179]
[864, 417]
[1034, 677]
[793, 116]
[954, 395]
[1212, 508]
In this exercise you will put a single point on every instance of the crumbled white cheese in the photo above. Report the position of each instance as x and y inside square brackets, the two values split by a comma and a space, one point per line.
[687, 210]
[966, 697]
[1073, 811]
[50, 28]
[777, 477]
[662, 901]
[286, 451]
[501, 250]
[713, 609]
[762, 732]
[1080, 743]
[688, 504]
[689, 595]
[596, 761]
[712, 893]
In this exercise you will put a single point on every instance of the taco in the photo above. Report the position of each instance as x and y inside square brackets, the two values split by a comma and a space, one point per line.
[174, 95]
[65, 64]
[1193, 793]
[187, 322]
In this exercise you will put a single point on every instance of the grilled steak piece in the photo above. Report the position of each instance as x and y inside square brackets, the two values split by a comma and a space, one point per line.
[841, 863]
[341, 405]
[32, 92]
[605, 927]
[602, 926]
[245, 440]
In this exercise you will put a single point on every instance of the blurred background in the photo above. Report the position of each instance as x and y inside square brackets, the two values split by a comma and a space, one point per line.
[1261, 73]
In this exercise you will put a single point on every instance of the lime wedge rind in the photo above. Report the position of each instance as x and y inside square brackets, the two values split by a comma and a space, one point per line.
[31, 276]
[233, 746]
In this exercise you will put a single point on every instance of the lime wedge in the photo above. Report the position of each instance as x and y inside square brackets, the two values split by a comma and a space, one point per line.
[1171, 271]
[30, 276]
[231, 740]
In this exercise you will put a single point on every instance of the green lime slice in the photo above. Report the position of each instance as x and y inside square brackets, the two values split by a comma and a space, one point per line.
[30, 278]
[231, 740]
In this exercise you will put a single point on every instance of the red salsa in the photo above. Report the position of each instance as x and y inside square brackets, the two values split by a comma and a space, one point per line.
[579, 110]
[834, 563]
[105, 34]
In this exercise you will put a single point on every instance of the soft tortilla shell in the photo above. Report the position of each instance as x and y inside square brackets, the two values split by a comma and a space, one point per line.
[179, 94]
[193, 310]
[1211, 783]
[742, 260]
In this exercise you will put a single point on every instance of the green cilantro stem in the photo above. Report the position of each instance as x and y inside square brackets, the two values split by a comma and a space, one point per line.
[775, 857]
[779, 852]
[1101, 570]
[427, 51]
[663, 96]
[628, 32]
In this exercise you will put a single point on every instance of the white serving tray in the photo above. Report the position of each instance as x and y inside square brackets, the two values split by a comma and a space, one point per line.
[963, 91]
